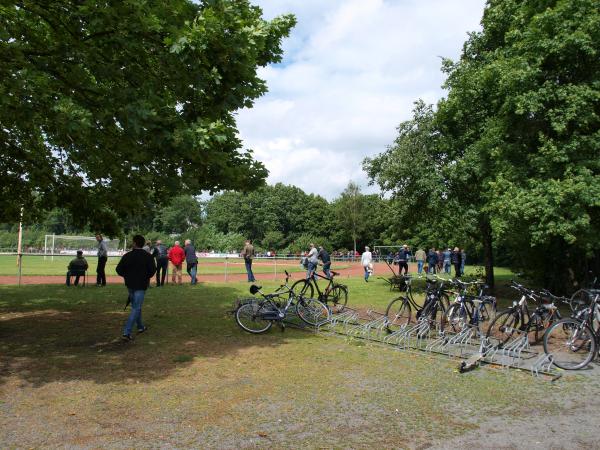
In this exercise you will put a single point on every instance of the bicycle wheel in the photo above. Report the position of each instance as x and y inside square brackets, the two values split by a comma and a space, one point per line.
[503, 327]
[487, 311]
[398, 314]
[571, 343]
[303, 288]
[312, 311]
[457, 317]
[338, 296]
[249, 317]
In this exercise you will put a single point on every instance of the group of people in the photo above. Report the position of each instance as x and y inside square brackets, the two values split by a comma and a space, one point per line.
[176, 255]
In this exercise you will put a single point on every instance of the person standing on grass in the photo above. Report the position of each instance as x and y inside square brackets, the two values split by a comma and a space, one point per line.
[456, 258]
[403, 256]
[77, 268]
[191, 260]
[137, 267]
[420, 258]
[176, 256]
[326, 260]
[447, 255]
[432, 260]
[366, 261]
[162, 262]
[102, 258]
[248, 255]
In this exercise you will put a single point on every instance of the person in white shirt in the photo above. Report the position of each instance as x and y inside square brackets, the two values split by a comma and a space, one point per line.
[365, 260]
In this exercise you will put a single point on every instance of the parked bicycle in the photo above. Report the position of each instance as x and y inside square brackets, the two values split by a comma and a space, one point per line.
[573, 343]
[469, 309]
[518, 319]
[258, 316]
[399, 311]
[334, 293]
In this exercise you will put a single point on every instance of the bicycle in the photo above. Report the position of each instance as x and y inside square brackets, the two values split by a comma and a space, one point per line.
[399, 310]
[518, 319]
[258, 316]
[335, 293]
[573, 343]
[468, 309]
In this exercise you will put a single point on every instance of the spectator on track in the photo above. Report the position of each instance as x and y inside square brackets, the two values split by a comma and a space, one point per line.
[102, 258]
[366, 261]
[248, 254]
[77, 268]
[162, 262]
[191, 260]
[420, 257]
[313, 261]
[326, 260]
[137, 267]
[176, 256]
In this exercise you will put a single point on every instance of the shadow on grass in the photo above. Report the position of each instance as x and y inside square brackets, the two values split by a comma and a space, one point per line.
[54, 333]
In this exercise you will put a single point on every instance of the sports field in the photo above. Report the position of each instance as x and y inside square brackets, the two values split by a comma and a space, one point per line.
[196, 380]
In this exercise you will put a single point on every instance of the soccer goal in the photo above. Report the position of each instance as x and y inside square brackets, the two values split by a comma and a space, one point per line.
[60, 244]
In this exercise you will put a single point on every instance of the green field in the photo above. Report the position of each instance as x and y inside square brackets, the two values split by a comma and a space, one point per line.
[196, 380]
[37, 265]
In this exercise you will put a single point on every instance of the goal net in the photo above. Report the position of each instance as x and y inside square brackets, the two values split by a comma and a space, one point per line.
[58, 244]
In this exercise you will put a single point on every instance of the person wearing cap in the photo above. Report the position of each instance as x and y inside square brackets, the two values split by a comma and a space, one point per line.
[77, 268]
[366, 261]
[403, 256]
[326, 260]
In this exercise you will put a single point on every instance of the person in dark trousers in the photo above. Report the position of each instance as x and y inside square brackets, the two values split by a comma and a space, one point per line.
[162, 262]
[191, 260]
[248, 255]
[403, 256]
[137, 267]
[102, 258]
[456, 258]
[77, 268]
[326, 260]
[432, 260]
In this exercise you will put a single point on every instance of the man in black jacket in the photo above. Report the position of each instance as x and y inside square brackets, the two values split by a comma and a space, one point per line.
[137, 267]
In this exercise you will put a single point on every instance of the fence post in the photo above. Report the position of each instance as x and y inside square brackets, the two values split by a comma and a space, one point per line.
[226, 259]
[275, 259]
[20, 258]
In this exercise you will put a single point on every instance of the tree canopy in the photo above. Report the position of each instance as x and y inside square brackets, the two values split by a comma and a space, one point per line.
[106, 105]
[513, 152]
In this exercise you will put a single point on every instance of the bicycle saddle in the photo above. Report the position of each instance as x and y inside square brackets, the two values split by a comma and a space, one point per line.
[254, 289]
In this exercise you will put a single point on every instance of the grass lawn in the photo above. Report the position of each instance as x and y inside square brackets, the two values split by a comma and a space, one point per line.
[196, 380]
[37, 265]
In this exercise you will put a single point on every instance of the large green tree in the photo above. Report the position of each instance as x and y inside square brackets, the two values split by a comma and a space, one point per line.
[104, 105]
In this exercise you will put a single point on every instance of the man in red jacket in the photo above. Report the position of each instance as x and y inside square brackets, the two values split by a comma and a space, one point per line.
[176, 256]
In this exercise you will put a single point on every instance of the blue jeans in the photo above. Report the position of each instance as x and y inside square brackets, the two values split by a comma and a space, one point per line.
[366, 273]
[192, 270]
[312, 267]
[326, 271]
[447, 266]
[420, 267]
[248, 263]
[135, 316]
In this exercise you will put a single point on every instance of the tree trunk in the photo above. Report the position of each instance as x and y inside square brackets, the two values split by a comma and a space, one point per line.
[488, 251]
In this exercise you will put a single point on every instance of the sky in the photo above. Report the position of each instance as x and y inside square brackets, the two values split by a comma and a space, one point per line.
[350, 74]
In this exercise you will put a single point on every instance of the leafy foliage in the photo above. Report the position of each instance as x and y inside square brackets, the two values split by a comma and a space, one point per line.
[104, 106]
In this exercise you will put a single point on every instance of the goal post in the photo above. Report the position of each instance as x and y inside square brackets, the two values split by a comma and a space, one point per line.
[61, 244]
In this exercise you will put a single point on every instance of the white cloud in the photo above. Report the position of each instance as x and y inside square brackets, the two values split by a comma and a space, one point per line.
[351, 72]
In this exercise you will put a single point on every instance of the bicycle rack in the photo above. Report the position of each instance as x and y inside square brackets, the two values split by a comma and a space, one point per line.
[542, 363]
[423, 337]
